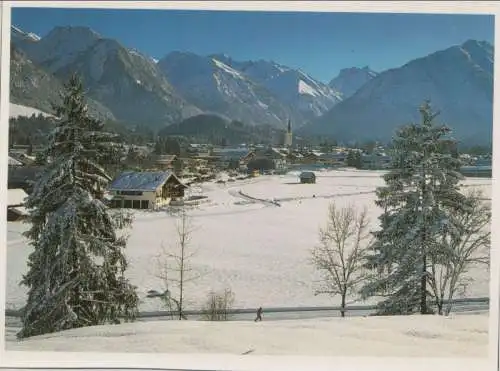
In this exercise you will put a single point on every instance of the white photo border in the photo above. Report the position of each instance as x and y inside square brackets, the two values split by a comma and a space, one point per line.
[53, 360]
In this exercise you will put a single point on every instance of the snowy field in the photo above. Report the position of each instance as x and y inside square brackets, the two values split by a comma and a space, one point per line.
[257, 249]
[463, 336]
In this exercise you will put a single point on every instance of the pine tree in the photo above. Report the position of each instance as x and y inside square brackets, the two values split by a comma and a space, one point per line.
[76, 271]
[353, 159]
[420, 195]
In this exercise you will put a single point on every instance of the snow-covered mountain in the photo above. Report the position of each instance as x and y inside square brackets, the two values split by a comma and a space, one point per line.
[252, 91]
[457, 80]
[217, 87]
[34, 87]
[349, 80]
[295, 87]
[358, 104]
[125, 81]
[61, 47]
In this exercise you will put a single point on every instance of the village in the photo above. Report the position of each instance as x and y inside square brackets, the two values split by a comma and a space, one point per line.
[152, 181]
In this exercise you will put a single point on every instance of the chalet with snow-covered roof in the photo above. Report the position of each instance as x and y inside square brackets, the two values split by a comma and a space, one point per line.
[310, 158]
[145, 190]
[278, 158]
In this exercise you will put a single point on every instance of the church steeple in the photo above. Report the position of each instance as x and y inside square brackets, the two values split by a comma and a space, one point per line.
[288, 135]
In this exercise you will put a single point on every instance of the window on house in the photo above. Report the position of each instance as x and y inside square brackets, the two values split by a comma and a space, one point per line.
[136, 204]
[145, 204]
[127, 204]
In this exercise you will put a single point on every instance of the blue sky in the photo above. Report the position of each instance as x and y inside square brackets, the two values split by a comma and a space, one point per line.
[319, 43]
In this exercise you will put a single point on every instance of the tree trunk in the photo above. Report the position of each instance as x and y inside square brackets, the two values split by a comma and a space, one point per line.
[423, 278]
[423, 287]
[439, 304]
[181, 291]
[342, 305]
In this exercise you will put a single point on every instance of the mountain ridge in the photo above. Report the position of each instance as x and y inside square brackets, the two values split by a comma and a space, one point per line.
[132, 86]
[458, 85]
[127, 83]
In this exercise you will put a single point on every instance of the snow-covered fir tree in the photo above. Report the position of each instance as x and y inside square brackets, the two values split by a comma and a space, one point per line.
[76, 270]
[421, 193]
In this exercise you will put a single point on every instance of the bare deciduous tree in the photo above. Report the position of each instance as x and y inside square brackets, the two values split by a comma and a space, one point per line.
[341, 253]
[174, 267]
[218, 305]
[465, 242]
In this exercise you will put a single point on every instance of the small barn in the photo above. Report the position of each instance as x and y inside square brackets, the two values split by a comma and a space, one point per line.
[145, 190]
[307, 177]
[15, 205]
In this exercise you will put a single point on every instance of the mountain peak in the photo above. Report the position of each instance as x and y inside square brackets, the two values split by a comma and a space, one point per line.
[457, 80]
[60, 46]
[220, 56]
[477, 46]
[76, 35]
[74, 31]
[349, 80]
[353, 70]
[473, 42]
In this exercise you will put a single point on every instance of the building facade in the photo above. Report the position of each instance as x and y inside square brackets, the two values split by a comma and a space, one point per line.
[145, 190]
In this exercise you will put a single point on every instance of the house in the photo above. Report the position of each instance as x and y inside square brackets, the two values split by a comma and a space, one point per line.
[310, 158]
[244, 160]
[169, 162]
[334, 158]
[230, 157]
[307, 177]
[279, 159]
[15, 205]
[145, 190]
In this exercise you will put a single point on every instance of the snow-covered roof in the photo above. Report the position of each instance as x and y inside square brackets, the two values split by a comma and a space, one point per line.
[307, 174]
[20, 210]
[166, 158]
[139, 181]
[332, 155]
[14, 162]
[16, 196]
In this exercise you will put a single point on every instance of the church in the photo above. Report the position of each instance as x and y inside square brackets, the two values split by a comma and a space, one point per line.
[288, 135]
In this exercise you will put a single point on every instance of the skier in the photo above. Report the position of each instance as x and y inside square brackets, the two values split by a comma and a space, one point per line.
[259, 314]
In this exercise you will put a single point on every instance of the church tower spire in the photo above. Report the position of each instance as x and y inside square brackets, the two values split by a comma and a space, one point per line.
[288, 134]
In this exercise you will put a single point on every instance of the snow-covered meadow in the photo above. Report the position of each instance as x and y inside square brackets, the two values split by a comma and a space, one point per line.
[464, 336]
[259, 250]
